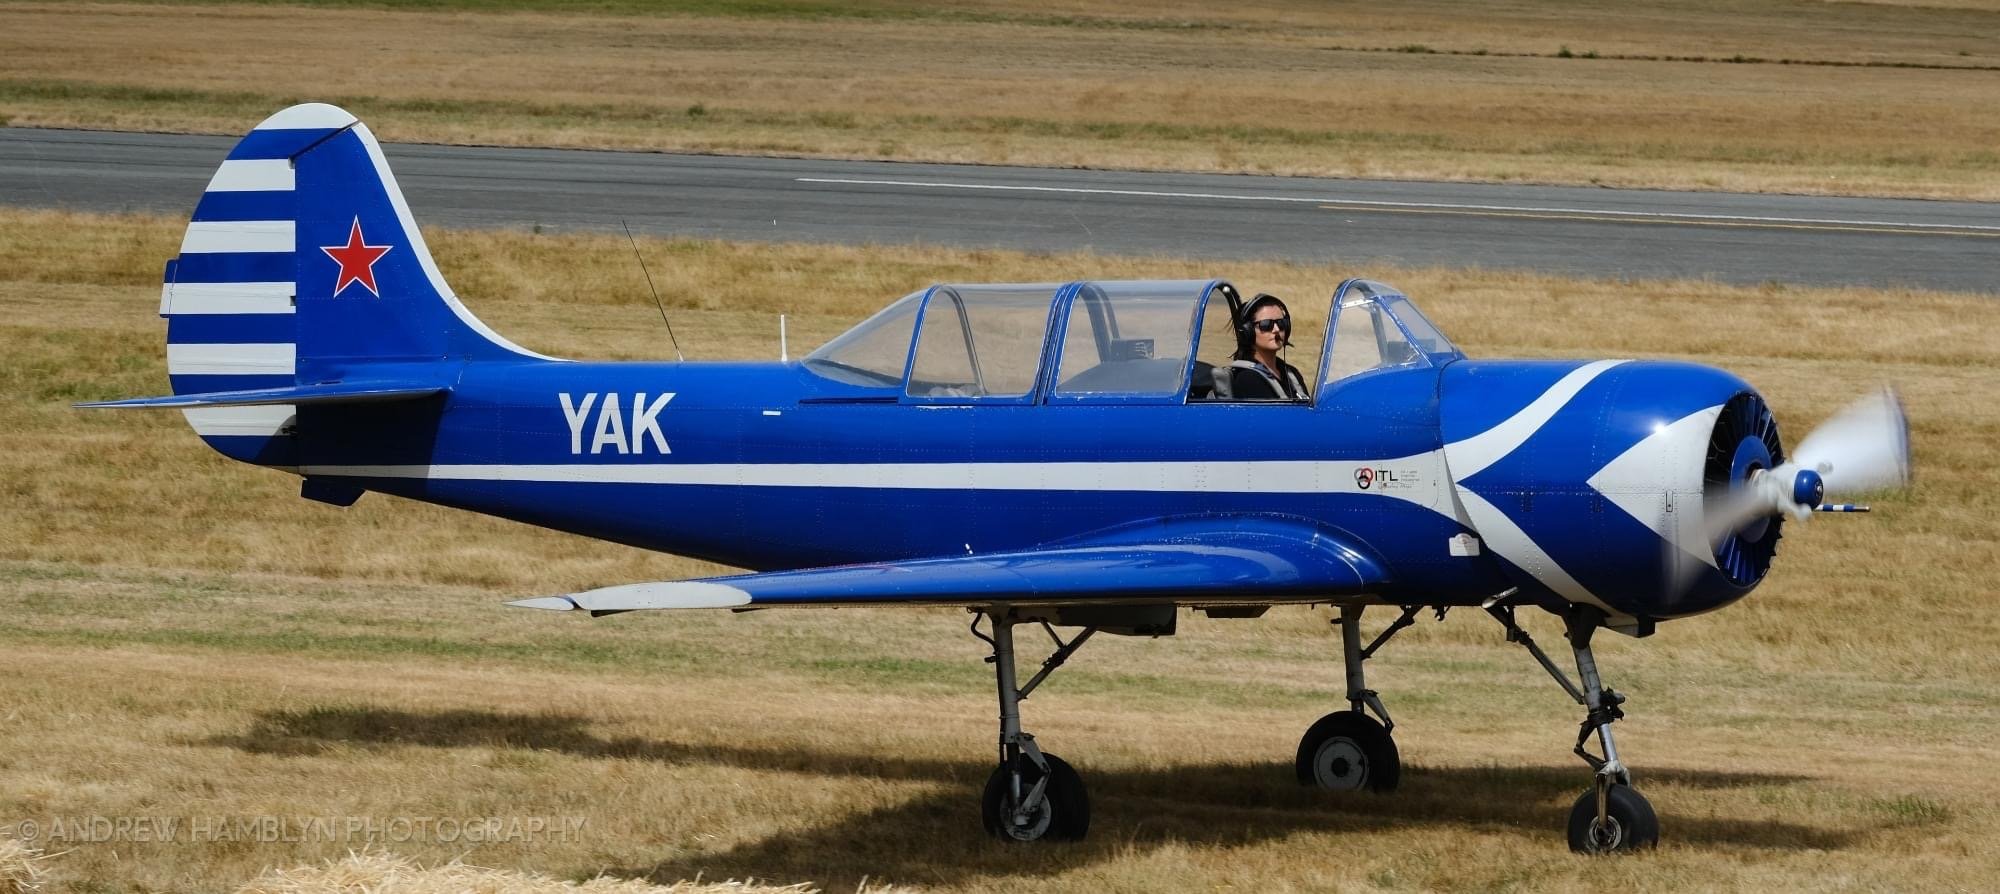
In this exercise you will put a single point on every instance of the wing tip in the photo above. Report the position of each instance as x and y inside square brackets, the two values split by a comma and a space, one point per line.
[662, 595]
[637, 597]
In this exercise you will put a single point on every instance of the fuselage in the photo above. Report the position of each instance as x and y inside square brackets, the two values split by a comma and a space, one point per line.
[769, 466]
[309, 328]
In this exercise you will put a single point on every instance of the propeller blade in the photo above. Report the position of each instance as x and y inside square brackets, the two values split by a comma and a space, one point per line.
[1726, 513]
[1862, 448]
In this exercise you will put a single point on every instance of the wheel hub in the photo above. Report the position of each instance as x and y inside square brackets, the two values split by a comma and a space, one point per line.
[1027, 824]
[1340, 765]
[1606, 834]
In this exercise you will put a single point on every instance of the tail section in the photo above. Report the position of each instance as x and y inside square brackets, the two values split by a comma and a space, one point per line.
[302, 266]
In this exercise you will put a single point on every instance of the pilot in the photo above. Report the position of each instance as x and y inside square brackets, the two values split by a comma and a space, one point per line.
[1258, 373]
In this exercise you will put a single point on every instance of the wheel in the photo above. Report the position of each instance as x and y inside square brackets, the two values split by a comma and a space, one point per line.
[1630, 823]
[1063, 815]
[1349, 751]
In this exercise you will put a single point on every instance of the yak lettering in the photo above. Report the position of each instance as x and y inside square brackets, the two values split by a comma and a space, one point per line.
[613, 429]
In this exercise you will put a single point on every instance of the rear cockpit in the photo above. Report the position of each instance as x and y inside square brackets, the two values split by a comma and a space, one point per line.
[1137, 341]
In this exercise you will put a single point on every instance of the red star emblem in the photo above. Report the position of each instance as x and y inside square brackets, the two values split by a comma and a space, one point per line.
[356, 259]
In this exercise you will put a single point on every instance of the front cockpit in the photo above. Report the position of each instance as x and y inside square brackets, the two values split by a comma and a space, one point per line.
[1376, 328]
[1139, 341]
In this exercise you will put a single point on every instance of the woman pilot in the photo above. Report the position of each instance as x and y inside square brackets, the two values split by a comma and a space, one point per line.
[1257, 372]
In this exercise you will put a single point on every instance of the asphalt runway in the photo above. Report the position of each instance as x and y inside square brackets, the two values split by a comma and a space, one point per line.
[1585, 231]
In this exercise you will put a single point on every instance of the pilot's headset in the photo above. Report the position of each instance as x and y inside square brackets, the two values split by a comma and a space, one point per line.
[1246, 336]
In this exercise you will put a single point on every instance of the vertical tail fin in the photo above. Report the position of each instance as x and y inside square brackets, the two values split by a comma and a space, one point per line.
[302, 265]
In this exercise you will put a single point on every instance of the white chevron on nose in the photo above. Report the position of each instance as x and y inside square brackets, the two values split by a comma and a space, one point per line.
[1658, 481]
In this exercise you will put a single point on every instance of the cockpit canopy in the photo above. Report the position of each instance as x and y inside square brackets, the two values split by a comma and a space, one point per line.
[1139, 341]
[1375, 327]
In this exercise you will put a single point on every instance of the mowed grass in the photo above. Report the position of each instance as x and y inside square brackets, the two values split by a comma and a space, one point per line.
[188, 639]
[1793, 96]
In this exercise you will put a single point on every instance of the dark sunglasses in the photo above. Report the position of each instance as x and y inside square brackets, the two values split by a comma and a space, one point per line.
[1284, 323]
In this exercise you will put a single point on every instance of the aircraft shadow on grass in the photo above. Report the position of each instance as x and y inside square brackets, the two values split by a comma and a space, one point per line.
[927, 839]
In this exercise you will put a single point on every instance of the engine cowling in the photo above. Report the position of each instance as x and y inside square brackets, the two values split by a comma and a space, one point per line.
[1592, 481]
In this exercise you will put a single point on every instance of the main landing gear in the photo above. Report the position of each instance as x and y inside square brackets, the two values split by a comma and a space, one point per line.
[1348, 750]
[1612, 817]
[1031, 796]
[1035, 796]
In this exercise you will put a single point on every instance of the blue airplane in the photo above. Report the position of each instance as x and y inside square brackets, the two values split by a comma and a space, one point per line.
[1062, 454]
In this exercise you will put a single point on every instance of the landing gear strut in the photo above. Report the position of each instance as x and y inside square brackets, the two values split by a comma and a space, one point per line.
[1031, 796]
[1349, 750]
[1612, 817]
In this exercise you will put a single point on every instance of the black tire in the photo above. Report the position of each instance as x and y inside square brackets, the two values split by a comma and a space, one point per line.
[1633, 825]
[1065, 815]
[1349, 751]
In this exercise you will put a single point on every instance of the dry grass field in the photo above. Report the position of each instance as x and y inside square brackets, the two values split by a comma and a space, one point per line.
[187, 641]
[373, 872]
[1793, 96]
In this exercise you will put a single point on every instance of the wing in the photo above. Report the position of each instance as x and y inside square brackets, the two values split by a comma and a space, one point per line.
[1198, 562]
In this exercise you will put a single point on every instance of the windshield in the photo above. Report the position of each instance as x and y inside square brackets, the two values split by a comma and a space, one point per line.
[874, 352]
[1424, 337]
[1375, 327]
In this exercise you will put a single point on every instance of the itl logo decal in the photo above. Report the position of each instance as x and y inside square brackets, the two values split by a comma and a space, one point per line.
[614, 429]
[1383, 479]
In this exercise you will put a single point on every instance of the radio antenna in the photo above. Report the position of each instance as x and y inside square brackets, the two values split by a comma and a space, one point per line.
[656, 292]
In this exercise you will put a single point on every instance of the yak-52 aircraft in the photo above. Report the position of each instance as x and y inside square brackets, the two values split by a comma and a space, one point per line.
[1055, 454]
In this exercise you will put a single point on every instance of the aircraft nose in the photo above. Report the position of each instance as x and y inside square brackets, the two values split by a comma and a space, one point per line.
[1590, 479]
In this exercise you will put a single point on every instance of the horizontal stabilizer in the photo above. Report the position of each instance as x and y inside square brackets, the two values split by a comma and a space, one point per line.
[1199, 562]
[324, 393]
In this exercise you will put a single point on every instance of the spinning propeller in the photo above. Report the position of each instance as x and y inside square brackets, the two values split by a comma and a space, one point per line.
[1865, 447]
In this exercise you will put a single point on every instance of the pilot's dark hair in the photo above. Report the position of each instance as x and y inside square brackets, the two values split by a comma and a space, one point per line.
[1246, 336]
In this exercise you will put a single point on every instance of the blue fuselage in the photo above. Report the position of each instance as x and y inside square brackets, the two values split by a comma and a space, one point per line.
[768, 466]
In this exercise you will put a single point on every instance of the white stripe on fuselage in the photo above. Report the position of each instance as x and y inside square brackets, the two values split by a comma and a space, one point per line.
[1472, 455]
[1419, 478]
[1507, 540]
[1499, 531]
